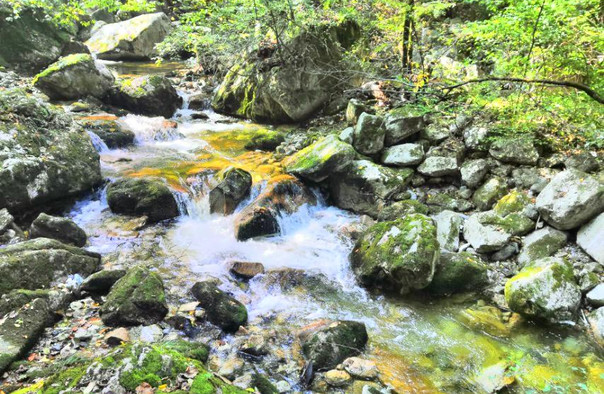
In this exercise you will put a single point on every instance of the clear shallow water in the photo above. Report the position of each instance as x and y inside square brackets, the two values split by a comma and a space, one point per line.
[421, 345]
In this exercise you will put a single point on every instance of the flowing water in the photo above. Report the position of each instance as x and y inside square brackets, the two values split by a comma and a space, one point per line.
[420, 345]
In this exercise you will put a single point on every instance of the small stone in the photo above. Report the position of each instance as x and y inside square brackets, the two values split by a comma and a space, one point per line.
[448, 226]
[403, 155]
[489, 193]
[541, 243]
[117, 337]
[361, 368]
[231, 368]
[337, 378]
[347, 135]
[596, 296]
[473, 172]
[148, 334]
[188, 307]
[283, 386]
[369, 134]
[246, 270]
[438, 166]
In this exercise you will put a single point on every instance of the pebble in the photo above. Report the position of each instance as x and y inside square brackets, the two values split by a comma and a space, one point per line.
[361, 368]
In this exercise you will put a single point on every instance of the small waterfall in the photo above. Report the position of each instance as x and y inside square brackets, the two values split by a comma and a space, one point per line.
[196, 201]
[97, 142]
[154, 129]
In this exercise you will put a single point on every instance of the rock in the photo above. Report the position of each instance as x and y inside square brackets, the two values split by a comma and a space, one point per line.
[514, 151]
[296, 89]
[435, 133]
[494, 378]
[318, 161]
[267, 140]
[571, 199]
[491, 320]
[360, 368]
[37, 263]
[354, 109]
[246, 270]
[485, 237]
[473, 172]
[400, 255]
[15, 299]
[117, 337]
[133, 39]
[233, 186]
[403, 155]
[448, 226]
[102, 281]
[6, 220]
[544, 289]
[73, 47]
[368, 136]
[44, 155]
[9, 231]
[596, 323]
[535, 179]
[400, 209]
[513, 202]
[591, 238]
[439, 201]
[30, 42]
[327, 343]
[150, 95]
[402, 123]
[457, 272]
[583, 161]
[255, 345]
[138, 298]
[347, 135]
[222, 309]
[477, 138]
[437, 166]
[337, 378]
[73, 77]
[363, 186]
[142, 197]
[486, 195]
[541, 243]
[20, 331]
[283, 194]
[110, 129]
[61, 229]
[596, 296]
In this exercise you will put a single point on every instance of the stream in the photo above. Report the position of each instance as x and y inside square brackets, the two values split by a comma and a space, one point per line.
[419, 344]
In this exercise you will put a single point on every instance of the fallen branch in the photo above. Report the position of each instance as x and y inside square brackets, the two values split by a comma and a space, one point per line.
[579, 86]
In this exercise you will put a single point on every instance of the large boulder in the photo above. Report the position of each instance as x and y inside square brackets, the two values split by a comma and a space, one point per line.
[318, 161]
[368, 135]
[541, 243]
[37, 263]
[142, 197]
[402, 123]
[150, 95]
[283, 195]
[280, 86]
[400, 255]
[571, 199]
[61, 229]
[490, 232]
[73, 77]
[44, 155]
[233, 186]
[328, 343]
[133, 39]
[221, 308]
[30, 42]
[138, 298]
[363, 186]
[456, 272]
[591, 238]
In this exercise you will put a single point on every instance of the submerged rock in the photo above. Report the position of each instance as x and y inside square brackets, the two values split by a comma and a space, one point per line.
[327, 343]
[37, 263]
[133, 39]
[456, 272]
[318, 161]
[233, 186]
[545, 289]
[61, 229]
[571, 199]
[44, 155]
[368, 135]
[400, 255]
[150, 95]
[591, 238]
[138, 298]
[73, 77]
[491, 320]
[245, 270]
[138, 197]
[221, 308]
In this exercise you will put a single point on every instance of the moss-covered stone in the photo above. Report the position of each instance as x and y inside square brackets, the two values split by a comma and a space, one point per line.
[513, 224]
[400, 209]
[150, 95]
[514, 151]
[137, 298]
[513, 202]
[222, 309]
[369, 134]
[490, 320]
[264, 139]
[15, 299]
[456, 272]
[113, 132]
[400, 255]
[138, 197]
[486, 195]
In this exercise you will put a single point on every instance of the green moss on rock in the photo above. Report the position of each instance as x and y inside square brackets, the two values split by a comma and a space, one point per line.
[457, 272]
[148, 197]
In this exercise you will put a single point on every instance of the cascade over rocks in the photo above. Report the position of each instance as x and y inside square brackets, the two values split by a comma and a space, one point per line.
[149, 95]
[290, 85]
[234, 185]
[133, 39]
[400, 255]
[142, 197]
[73, 77]
[222, 309]
[44, 155]
[59, 228]
[114, 132]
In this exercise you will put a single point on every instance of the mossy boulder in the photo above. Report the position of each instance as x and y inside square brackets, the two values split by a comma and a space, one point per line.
[363, 186]
[458, 272]
[59, 228]
[400, 209]
[37, 263]
[354, 109]
[369, 133]
[489, 232]
[541, 243]
[138, 298]
[15, 299]
[73, 77]
[402, 123]
[233, 186]
[44, 155]
[149, 95]
[133, 39]
[327, 343]
[400, 255]
[489, 193]
[513, 202]
[491, 320]
[283, 195]
[142, 197]
[221, 308]
[318, 161]
[545, 289]
[514, 151]
[267, 140]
